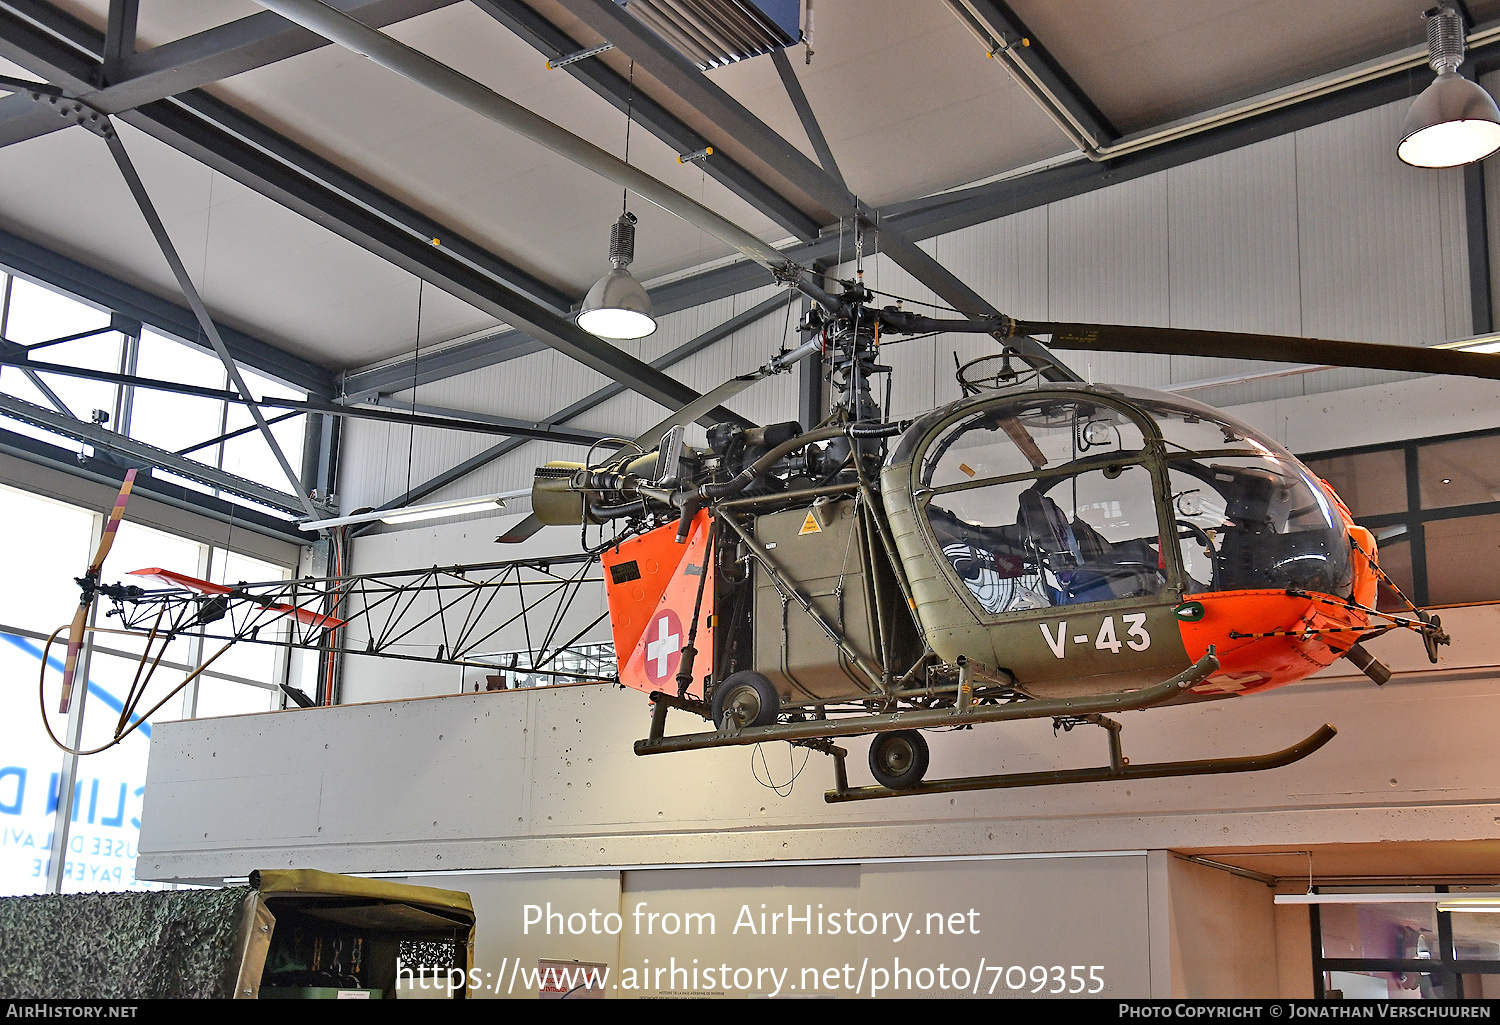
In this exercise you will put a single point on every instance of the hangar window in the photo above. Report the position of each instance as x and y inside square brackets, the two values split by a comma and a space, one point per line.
[1386, 950]
[60, 408]
[1434, 507]
[100, 835]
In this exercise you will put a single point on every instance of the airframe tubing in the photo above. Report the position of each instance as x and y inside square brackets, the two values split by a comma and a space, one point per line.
[1204, 767]
[932, 718]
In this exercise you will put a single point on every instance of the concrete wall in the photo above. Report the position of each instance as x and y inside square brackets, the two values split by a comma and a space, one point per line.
[1223, 934]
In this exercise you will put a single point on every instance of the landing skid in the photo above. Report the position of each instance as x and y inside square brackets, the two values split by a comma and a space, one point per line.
[1119, 767]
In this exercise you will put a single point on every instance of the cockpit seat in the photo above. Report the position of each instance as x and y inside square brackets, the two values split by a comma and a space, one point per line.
[1080, 565]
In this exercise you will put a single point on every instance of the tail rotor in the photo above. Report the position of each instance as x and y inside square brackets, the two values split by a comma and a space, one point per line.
[89, 582]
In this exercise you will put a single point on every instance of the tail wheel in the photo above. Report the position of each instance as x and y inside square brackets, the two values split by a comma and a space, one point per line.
[898, 760]
[748, 697]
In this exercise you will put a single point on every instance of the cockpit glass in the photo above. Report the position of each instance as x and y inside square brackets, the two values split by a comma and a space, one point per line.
[1185, 429]
[1026, 437]
[1044, 502]
[1248, 514]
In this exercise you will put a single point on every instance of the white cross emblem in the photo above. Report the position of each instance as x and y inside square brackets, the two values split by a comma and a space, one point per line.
[661, 650]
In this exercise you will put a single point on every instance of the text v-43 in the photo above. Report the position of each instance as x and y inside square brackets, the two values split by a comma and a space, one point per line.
[1136, 638]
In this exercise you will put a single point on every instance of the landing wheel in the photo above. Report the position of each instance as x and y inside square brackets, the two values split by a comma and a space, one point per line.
[750, 697]
[898, 760]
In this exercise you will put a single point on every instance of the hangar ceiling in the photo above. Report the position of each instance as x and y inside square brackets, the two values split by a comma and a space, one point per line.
[904, 93]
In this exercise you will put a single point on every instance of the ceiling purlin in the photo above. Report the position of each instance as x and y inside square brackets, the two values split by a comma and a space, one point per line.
[1019, 44]
[609, 85]
[69, 54]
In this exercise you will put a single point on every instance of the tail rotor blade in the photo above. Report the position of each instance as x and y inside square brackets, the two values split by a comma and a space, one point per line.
[75, 644]
[89, 581]
[107, 541]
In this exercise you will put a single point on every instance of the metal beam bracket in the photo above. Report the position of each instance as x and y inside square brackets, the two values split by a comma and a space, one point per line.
[574, 58]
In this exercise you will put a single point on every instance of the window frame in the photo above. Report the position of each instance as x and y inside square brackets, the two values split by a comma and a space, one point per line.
[1446, 966]
[1415, 518]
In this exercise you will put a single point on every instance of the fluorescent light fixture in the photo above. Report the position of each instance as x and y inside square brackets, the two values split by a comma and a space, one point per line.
[1478, 343]
[440, 509]
[413, 513]
[1454, 121]
[1444, 901]
[1489, 905]
[617, 306]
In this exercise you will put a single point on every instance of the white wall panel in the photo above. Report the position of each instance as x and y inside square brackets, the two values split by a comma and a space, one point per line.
[1382, 244]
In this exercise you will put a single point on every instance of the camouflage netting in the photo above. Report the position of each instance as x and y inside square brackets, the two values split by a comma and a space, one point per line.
[122, 946]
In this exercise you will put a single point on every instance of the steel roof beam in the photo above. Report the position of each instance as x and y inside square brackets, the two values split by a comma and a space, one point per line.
[612, 87]
[679, 75]
[387, 409]
[692, 87]
[1019, 49]
[129, 79]
[952, 211]
[30, 260]
[228, 141]
[794, 92]
[449, 361]
[225, 148]
[148, 455]
[69, 53]
[119, 36]
[710, 337]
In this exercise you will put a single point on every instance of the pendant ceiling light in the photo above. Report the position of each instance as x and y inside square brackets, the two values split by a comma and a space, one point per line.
[617, 306]
[1454, 121]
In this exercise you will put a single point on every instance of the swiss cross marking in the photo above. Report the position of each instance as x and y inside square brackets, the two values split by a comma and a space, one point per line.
[663, 645]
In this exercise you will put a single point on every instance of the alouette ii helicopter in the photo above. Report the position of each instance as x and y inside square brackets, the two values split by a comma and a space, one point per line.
[1040, 548]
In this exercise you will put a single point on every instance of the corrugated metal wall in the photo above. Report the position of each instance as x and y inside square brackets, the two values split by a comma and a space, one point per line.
[1322, 232]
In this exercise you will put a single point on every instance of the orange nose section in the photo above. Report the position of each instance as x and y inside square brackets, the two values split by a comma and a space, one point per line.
[1265, 639]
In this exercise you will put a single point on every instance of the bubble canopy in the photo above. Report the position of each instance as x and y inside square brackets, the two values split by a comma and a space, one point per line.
[1074, 495]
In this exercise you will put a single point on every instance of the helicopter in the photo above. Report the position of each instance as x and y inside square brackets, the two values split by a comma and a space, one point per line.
[1039, 548]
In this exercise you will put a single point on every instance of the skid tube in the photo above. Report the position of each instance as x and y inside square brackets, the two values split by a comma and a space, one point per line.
[1119, 768]
[919, 719]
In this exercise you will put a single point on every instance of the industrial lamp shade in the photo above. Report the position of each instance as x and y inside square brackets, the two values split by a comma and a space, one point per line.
[1454, 121]
[617, 306]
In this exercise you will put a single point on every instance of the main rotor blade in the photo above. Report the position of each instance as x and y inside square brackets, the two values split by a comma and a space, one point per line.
[1415, 359]
[521, 531]
[726, 391]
